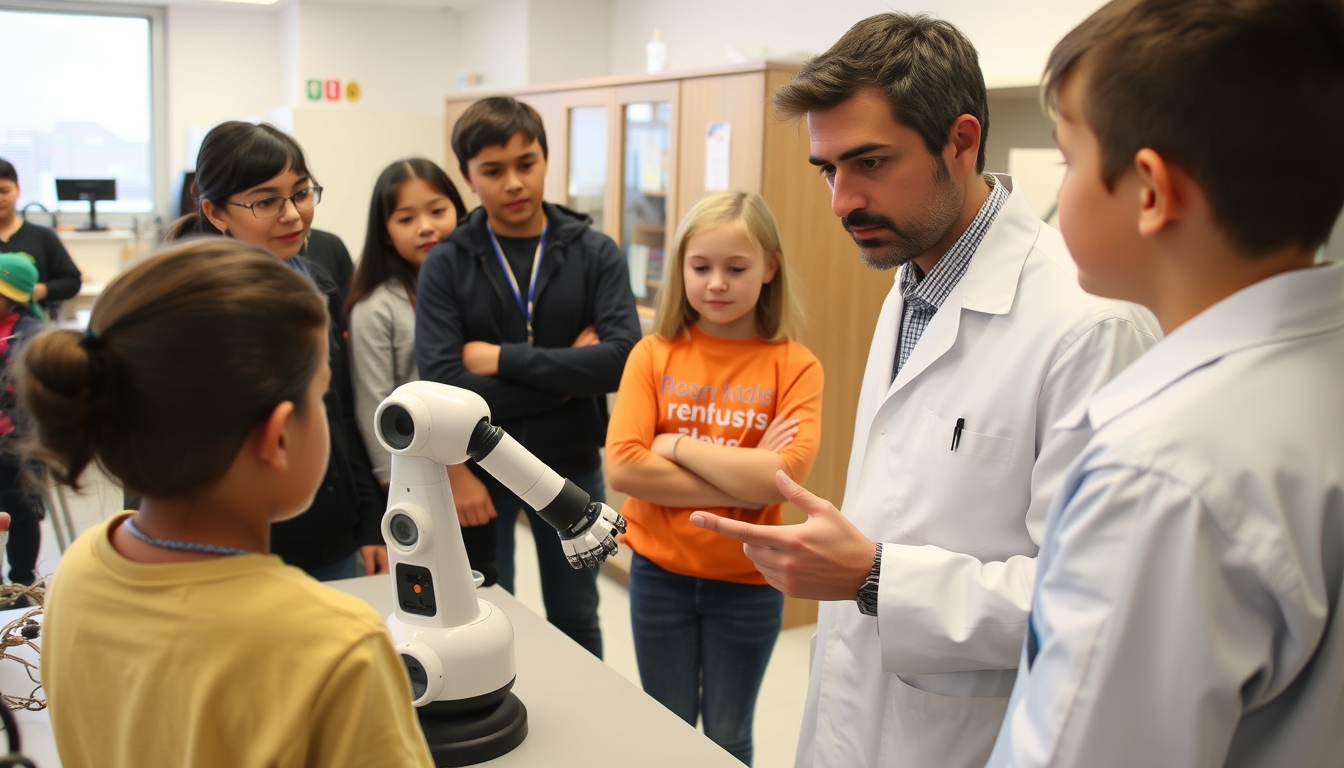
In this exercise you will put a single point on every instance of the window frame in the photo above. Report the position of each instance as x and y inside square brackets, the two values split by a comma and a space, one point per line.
[158, 82]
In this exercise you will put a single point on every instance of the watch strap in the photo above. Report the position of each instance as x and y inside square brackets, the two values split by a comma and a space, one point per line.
[867, 597]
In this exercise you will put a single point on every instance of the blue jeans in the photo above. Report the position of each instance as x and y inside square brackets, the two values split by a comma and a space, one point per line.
[702, 647]
[341, 569]
[570, 595]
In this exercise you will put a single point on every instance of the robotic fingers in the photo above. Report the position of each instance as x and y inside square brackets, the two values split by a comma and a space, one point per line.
[597, 539]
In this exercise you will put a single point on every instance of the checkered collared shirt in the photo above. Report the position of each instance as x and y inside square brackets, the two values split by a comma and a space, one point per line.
[924, 294]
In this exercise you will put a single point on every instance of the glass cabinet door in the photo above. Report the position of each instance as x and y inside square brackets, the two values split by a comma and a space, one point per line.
[586, 187]
[647, 164]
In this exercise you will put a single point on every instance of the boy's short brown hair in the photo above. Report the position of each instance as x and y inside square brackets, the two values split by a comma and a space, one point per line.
[927, 69]
[1246, 96]
[493, 121]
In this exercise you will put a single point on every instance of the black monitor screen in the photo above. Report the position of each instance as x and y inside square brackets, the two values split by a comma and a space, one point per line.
[86, 189]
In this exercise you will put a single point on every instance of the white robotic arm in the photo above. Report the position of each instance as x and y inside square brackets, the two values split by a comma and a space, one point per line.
[457, 648]
[451, 425]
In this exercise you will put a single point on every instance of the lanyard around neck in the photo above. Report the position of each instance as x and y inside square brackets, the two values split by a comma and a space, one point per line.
[525, 306]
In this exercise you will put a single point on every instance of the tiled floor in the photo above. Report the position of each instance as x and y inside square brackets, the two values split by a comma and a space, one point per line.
[778, 710]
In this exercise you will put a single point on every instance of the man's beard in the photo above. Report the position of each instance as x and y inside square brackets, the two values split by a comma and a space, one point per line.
[914, 239]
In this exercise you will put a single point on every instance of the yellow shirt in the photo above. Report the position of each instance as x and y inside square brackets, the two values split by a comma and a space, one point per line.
[236, 662]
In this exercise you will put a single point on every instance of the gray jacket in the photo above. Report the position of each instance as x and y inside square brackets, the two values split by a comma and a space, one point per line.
[382, 358]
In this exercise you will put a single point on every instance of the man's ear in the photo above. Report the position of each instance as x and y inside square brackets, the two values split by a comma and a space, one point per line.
[1163, 192]
[962, 150]
[270, 439]
[212, 213]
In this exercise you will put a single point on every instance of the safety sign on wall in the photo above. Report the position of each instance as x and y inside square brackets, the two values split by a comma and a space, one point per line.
[332, 90]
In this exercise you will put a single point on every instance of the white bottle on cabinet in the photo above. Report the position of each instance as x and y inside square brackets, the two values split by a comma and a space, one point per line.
[656, 53]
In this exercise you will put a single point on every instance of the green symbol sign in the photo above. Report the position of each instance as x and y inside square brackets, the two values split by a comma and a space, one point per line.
[314, 90]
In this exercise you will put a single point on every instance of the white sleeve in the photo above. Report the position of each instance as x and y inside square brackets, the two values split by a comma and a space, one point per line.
[945, 611]
[1148, 626]
[372, 374]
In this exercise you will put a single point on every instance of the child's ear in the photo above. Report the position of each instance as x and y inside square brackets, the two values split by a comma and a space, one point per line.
[211, 212]
[271, 437]
[771, 268]
[1162, 196]
[466, 178]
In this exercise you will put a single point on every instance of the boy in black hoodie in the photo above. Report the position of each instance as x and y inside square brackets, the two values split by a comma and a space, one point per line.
[528, 306]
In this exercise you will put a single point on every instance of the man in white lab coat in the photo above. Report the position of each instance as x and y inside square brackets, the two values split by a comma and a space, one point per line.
[983, 344]
[1191, 580]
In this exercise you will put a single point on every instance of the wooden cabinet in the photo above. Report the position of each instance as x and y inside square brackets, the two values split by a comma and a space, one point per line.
[665, 119]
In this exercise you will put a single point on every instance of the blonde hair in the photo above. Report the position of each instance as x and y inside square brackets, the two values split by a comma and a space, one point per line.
[778, 311]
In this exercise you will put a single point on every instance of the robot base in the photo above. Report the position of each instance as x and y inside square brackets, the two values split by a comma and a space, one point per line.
[476, 730]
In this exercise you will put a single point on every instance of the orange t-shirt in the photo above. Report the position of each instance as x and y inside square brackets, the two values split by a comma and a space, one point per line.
[722, 390]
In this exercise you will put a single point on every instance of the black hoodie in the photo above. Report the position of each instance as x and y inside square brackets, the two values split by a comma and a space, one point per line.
[548, 395]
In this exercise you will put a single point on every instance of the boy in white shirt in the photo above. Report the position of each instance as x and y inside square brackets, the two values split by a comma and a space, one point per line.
[1188, 590]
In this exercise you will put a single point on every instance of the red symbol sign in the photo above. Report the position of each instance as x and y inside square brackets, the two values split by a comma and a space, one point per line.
[333, 90]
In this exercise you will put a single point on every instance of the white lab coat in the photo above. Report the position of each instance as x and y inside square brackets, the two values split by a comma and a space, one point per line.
[1016, 346]
[1188, 607]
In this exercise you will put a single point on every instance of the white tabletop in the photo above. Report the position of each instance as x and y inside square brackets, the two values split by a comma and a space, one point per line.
[580, 712]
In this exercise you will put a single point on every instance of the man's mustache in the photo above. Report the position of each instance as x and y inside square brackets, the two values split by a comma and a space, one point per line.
[863, 219]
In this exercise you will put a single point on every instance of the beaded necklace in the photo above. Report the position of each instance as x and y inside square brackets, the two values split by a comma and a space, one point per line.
[182, 546]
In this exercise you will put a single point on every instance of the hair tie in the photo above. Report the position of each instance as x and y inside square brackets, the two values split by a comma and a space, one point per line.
[93, 346]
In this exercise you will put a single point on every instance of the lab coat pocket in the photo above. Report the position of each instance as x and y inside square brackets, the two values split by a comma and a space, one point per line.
[924, 729]
[954, 493]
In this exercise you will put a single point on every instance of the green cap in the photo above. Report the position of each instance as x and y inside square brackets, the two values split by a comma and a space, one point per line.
[18, 278]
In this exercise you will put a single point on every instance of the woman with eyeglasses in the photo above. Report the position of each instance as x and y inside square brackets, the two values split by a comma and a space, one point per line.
[254, 185]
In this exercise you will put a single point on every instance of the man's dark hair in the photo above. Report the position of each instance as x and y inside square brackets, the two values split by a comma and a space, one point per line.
[927, 68]
[1246, 96]
[7, 171]
[492, 122]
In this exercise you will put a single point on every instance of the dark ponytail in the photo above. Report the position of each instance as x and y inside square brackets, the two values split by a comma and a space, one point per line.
[188, 351]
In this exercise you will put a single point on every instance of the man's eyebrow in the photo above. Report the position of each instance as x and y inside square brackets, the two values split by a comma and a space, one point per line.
[849, 154]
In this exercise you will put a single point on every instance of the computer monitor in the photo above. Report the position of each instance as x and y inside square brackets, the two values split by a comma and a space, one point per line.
[92, 190]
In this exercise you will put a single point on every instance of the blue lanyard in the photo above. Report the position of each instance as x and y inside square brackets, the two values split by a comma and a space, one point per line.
[525, 306]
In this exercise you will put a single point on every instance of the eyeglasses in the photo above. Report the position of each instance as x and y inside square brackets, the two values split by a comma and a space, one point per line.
[270, 207]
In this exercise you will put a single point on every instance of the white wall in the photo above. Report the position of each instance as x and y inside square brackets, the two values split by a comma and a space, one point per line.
[492, 40]
[403, 59]
[568, 40]
[224, 63]
[1013, 38]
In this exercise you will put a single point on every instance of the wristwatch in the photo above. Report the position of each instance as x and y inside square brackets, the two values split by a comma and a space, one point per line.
[867, 597]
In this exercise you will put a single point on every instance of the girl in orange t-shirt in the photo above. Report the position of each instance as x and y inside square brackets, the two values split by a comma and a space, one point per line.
[711, 406]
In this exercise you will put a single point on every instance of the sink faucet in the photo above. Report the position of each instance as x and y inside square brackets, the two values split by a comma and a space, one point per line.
[24, 212]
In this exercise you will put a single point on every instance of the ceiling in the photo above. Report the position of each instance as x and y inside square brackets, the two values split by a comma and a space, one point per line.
[424, 5]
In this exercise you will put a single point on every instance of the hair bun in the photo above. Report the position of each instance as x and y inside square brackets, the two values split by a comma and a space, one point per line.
[54, 382]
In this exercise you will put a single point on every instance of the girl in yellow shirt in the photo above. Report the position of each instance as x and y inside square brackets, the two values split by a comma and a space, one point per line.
[711, 406]
[172, 637]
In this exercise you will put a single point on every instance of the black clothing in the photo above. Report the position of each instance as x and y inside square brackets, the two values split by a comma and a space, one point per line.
[548, 395]
[520, 252]
[329, 252]
[54, 265]
[348, 510]
[17, 497]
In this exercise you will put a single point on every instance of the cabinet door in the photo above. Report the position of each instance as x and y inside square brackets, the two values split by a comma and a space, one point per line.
[588, 156]
[648, 182]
